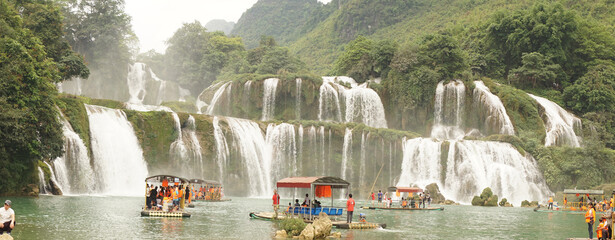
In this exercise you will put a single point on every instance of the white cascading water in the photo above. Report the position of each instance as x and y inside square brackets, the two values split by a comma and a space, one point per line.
[201, 99]
[298, 98]
[136, 83]
[448, 110]
[269, 91]
[364, 105]
[118, 158]
[222, 149]
[74, 172]
[347, 153]
[559, 124]
[323, 164]
[300, 147]
[492, 108]
[53, 178]
[329, 103]
[282, 145]
[185, 151]
[470, 166]
[225, 89]
[42, 184]
[252, 148]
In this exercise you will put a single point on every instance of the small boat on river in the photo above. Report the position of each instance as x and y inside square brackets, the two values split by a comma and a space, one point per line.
[400, 191]
[406, 209]
[207, 191]
[163, 206]
[320, 187]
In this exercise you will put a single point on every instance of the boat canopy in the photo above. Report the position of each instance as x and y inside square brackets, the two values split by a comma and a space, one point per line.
[205, 182]
[168, 178]
[584, 192]
[309, 182]
[405, 189]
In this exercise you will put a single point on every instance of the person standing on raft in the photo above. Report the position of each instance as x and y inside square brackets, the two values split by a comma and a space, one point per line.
[349, 208]
[276, 203]
[550, 203]
[590, 216]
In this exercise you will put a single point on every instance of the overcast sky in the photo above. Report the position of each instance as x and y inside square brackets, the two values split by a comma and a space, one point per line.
[155, 21]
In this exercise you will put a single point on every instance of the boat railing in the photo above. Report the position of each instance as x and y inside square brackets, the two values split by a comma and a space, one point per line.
[311, 212]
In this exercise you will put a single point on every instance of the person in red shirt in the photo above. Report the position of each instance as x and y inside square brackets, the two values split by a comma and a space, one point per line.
[276, 203]
[373, 198]
[349, 208]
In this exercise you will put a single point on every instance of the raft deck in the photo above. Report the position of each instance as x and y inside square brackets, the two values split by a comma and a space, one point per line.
[268, 216]
[406, 209]
[148, 213]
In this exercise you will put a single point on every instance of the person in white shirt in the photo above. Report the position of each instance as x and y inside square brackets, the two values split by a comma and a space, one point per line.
[7, 218]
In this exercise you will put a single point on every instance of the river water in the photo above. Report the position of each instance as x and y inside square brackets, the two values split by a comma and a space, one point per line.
[103, 217]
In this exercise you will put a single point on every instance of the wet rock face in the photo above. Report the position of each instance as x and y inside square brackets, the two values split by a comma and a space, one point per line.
[319, 229]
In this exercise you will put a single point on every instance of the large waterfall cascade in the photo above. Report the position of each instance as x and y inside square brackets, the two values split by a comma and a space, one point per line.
[185, 151]
[362, 104]
[118, 158]
[493, 109]
[470, 166]
[559, 124]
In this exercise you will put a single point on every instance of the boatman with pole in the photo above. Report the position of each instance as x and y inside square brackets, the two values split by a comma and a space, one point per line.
[276, 203]
[349, 208]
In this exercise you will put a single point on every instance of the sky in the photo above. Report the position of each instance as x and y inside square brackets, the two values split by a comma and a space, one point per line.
[155, 21]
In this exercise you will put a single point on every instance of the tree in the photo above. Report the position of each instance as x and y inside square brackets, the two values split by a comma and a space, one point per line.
[29, 125]
[536, 69]
[363, 59]
[595, 91]
[442, 53]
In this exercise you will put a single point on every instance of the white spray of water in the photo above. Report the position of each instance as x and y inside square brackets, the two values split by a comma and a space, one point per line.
[364, 105]
[448, 117]
[283, 148]
[225, 88]
[493, 109]
[222, 149]
[118, 158]
[74, 170]
[559, 124]
[269, 92]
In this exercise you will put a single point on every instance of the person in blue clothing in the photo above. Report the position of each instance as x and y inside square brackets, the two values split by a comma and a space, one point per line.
[379, 197]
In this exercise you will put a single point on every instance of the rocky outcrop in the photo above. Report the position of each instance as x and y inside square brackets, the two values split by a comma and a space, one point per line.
[281, 234]
[434, 193]
[6, 237]
[319, 229]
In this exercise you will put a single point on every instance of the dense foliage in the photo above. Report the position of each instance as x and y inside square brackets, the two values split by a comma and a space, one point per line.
[29, 126]
[284, 20]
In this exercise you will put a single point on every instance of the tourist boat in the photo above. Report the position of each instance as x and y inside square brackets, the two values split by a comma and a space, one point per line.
[576, 207]
[164, 181]
[320, 187]
[213, 191]
[401, 191]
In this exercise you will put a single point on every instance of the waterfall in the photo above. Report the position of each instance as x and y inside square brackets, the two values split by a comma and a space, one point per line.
[313, 144]
[421, 162]
[201, 100]
[222, 149]
[300, 151]
[559, 124]
[251, 145]
[136, 83]
[185, 151]
[42, 184]
[74, 173]
[362, 167]
[364, 105]
[282, 146]
[323, 165]
[118, 158]
[470, 167]
[269, 92]
[298, 99]
[448, 110]
[347, 153]
[329, 103]
[490, 106]
[224, 89]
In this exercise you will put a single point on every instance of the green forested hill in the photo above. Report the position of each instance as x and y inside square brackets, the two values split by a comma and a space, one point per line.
[282, 19]
[336, 24]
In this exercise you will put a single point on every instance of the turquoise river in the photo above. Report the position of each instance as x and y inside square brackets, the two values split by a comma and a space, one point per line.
[103, 217]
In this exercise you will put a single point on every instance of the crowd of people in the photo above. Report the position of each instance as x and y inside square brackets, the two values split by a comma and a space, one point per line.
[208, 193]
[421, 200]
[603, 230]
[167, 198]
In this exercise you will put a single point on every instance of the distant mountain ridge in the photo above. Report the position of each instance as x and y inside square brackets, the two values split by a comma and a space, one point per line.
[220, 25]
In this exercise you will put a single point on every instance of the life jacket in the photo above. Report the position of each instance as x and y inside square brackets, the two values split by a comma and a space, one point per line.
[599, 230]
[590, 215]
[404, 203]
[550, 200]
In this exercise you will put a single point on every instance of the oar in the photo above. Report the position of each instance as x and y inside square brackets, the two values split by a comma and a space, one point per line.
[376, 178]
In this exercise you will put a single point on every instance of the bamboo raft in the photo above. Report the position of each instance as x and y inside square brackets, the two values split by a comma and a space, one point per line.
[148, 213]
[268, 216]
[406, 209]
[219, 200]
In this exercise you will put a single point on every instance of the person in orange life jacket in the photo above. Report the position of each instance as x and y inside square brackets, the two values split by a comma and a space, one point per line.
[349, 208]
[276, 203]
[601, 231]
[550, 203]
[590, 216]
